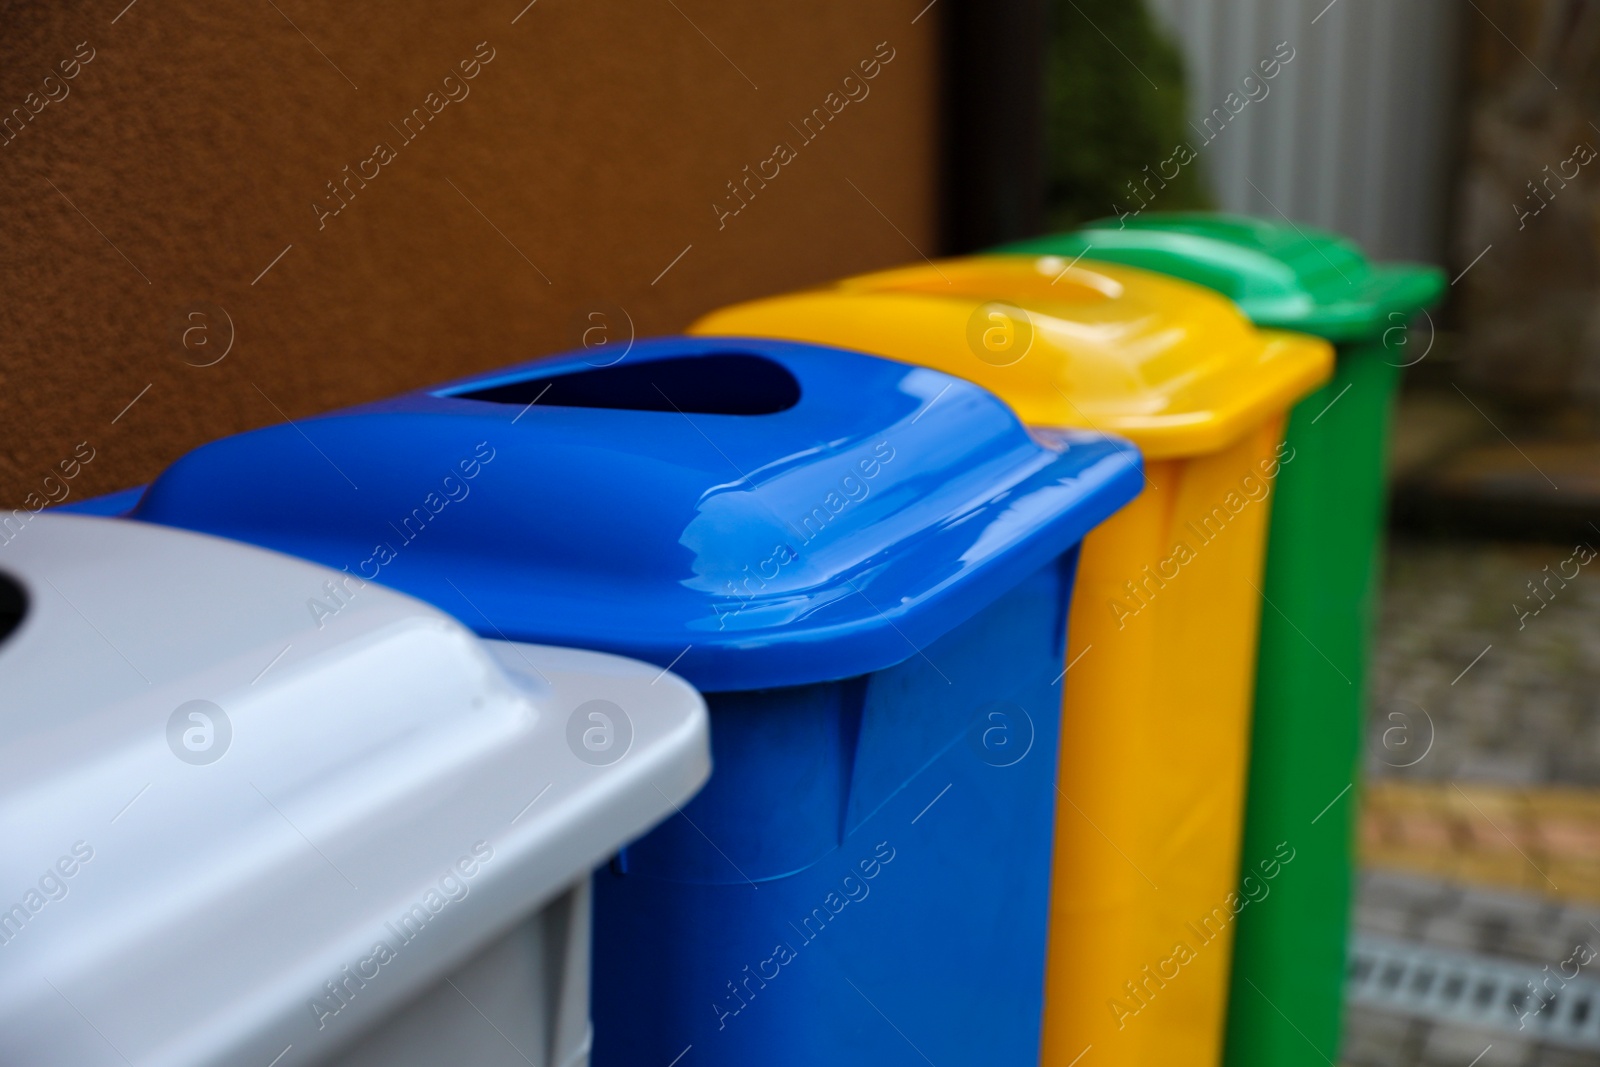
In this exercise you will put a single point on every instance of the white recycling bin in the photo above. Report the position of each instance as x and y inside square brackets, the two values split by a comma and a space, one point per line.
[257, 812]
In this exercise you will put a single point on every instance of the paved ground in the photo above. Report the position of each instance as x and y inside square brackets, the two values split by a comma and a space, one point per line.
[1481, 829]
[1510, 837]
[1528, 710]
[1497, 928]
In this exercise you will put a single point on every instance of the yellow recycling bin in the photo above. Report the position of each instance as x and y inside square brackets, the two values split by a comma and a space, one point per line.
[1156, 719]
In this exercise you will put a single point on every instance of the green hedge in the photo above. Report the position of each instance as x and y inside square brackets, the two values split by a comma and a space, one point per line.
[1107, 122]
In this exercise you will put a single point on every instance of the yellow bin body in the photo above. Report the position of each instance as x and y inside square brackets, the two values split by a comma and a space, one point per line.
[1162, 635]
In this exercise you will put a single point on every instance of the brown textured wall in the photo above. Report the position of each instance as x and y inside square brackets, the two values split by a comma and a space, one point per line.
[148, 193]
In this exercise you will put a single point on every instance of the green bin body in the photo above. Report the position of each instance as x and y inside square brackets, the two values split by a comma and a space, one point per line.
[1285, 1002]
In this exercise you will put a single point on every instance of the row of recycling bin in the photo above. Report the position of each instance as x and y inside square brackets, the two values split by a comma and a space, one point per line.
[1019, 602]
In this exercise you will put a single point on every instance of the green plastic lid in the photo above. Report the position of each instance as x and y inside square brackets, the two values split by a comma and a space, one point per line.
[1282, 276]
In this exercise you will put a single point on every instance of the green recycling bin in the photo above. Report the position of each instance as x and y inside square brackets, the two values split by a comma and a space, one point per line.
[1285, 1000]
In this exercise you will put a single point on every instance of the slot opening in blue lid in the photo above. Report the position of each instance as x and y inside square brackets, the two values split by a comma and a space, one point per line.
[728, 383]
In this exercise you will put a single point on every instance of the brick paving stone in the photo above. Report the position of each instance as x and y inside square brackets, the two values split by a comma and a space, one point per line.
[1528, 711]
[1457, 1046]
[1379, 1039]
[1550, 1056]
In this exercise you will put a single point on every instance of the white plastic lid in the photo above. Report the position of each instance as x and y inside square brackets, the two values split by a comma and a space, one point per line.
[227, 777]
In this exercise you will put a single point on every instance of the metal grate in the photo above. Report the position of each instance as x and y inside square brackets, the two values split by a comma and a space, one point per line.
[1481, 991]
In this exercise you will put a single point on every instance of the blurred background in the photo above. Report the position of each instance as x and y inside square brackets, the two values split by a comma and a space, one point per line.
[1448, 133]
[219, 217]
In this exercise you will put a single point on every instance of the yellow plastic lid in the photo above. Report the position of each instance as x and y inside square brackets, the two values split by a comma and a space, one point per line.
[1170, 365]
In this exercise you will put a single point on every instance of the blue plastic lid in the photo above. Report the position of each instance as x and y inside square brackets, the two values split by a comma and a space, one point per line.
[755, 513]
[118, 503]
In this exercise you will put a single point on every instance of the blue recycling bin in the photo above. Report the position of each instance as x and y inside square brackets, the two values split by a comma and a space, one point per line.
[864, 565]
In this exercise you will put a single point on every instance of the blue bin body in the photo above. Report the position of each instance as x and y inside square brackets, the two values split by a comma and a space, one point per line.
[898, 869]
[864, 565]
